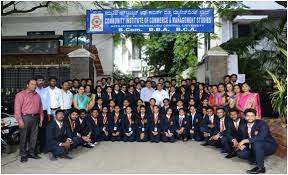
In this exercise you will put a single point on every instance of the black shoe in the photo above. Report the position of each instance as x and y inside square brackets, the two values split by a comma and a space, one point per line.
[204, 144]
[51, 156]
[230, 155]
[35, 156]
[24, 159]
[256, 170]
[87, 146]
[66, 156]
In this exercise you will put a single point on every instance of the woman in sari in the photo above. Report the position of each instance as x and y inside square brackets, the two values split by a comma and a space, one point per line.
[81, 100]
[230, 96]
[91, 96]
[247, 100]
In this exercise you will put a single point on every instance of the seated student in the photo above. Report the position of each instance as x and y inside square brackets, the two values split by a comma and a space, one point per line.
[221, 125]
[155, 122]
[84, 129]
[142, 125]
[173, 96]
[59, 138]
[179, 105]
[139, 104]
[112, 105]
[115, 124]
[106, 120]
[168, 126]
[195, 120]
[95, 126]
[208, 124]
[257, 141]
[75, 129]
[234, 134]
[129, 126]
[182, 125]
[165, 106]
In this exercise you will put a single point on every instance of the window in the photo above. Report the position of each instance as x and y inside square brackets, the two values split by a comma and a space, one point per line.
[36, 33]
[244, 30]
[75, 38]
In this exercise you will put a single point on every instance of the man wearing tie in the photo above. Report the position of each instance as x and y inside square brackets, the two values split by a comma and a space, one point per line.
[257, 141]
[217, 137]
[59, 138]
[234, 134]
[194, 124]
[208, 125]
[182, 125]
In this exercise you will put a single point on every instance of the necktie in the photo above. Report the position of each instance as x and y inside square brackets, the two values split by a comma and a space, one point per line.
[222, 127]
[180, 122]
[73, 125]
[61, 125]
[236, 126]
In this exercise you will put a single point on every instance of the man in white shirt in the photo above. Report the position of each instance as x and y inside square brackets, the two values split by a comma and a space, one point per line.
[66, 98]
[146, 93]
[55, 95]
[160, 94]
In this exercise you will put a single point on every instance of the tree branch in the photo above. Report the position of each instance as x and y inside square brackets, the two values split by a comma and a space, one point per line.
[26, 11]
[6, 5]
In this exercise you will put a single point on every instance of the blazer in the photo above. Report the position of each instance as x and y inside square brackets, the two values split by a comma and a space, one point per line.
[143, 126]
[125, 125]
[167, 124]
[185, 122]
[233, 133]
[156, 124]
[196, 121]
[55, 135]
[227, 120]
[92, 125]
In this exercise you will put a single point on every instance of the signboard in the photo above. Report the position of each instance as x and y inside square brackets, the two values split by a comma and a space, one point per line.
[150, 20]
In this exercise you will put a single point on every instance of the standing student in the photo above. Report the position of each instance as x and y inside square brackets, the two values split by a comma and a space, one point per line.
[59, 138]
[115, 124]
[168, 126]
[155, 125]
[81, 101]
[195, 120]
[165, 106]
[55, 94]
[129, 126]
[66, 98]
[182, 125]
[28, 112]
[45, 100]
[142, 125]
[257, 141]
[173, 96]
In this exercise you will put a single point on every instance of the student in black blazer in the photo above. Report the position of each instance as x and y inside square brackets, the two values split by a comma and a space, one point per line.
[106, 120]
[95, 126]
[179, 105]
[142, 125]
[233, 134]
[182, 125]
[222, 123]
[173, 96]
[149, 109]
[208, 125]
[165, 106]
[257, 141]
[129, 125]
[168, 126]
[122, 95]
[59, 138]
[195, 119]
[84, 128]
[109, 95]
[155, 125]
[115, 125]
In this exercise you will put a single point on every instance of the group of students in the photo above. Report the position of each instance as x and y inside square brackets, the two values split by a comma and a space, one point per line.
[227, 116]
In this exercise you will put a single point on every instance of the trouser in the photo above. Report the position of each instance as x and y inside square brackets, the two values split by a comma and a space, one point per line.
[105, 137]
[197, 135]
[42, 134]
[77, 141]
[155, 138]
[168, 139]
[130, 138]
[58, 151]
[96, 135]
[258, 152]
[28, 135]
[182, 136]
[116, 138]
[53, 112]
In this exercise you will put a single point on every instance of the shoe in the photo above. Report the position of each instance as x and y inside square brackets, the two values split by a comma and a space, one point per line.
[91, 144]
[185, 140]
[51, 156]
[223, 152]
[256, 170]
[95, 143]
[252, 162]
[66, 156]
[87, 146]
[35, 156]
[23, 159]
[230, 155]
[204, 144]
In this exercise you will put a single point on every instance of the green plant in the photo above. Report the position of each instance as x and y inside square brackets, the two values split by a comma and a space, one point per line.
[279, 96]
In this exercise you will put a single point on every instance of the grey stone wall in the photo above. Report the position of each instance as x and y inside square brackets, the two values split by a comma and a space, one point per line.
[79, 68]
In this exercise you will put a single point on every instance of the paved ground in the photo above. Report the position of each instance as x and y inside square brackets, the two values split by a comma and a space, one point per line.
[120, 157]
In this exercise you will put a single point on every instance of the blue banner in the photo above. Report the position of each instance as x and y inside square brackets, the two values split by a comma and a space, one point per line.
[150, 20]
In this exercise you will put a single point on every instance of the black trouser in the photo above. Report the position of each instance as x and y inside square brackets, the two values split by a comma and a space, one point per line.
[28, 135]
[42, 134]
